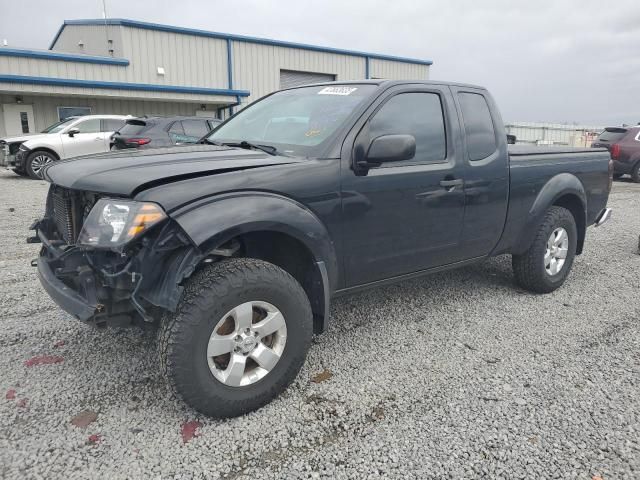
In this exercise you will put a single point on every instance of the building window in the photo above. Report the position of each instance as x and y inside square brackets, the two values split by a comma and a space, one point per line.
[66, 112]
[292, 78]
[24, 122]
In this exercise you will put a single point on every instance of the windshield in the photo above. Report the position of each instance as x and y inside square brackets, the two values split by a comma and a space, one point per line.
[57, 127]
[296, 122]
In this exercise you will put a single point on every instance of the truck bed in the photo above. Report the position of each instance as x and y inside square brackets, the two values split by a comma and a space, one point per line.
[532, 167]
[521, 150]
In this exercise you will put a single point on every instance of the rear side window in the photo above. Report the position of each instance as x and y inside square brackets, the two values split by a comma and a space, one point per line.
[89, 126]
[195, 128]
[111, 124]
[417, 114]
[478, 126]
[133, 128]
[612, 135]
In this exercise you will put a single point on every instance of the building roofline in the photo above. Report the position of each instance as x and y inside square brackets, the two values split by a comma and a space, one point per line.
[148, 87]
[69, 57]
[238, 38]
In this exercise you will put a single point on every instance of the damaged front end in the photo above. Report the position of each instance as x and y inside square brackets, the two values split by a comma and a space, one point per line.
[111, 261]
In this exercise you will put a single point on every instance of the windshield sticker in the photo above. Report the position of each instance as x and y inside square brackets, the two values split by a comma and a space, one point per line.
[337, 90]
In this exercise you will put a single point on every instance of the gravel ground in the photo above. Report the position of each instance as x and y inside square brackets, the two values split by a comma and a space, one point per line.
[457, 375]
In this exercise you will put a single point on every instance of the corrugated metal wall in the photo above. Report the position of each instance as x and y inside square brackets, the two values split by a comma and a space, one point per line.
[20, 88]
[45, 108]
[94, 39]
[257, 67]
[187, 60]
[397, 70]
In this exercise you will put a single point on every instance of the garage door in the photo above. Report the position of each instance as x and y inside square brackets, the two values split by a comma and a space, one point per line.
[291, 78]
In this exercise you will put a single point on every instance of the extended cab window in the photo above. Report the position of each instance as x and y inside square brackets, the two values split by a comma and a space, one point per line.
[417, 114]
[478, 125]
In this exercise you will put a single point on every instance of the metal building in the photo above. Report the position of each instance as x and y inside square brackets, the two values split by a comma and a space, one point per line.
[120, 66]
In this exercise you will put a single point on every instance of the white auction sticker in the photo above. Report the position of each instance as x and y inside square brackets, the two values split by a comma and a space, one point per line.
[337, 90]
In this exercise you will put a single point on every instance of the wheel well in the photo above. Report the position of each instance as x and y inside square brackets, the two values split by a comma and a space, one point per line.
[577, 209]
[45, 149]
[293, 257]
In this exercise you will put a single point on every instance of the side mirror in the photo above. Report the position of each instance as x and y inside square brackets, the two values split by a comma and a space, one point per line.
[391, 148]
[73, 131]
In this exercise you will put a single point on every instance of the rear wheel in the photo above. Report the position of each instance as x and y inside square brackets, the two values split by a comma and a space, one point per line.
[635, 173]
[238, 337]
[545, 266]
[36, 161]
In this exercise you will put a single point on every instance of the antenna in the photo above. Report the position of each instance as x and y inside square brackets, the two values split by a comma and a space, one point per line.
[109, 44]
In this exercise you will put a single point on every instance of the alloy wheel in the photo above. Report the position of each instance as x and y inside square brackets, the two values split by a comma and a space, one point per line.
[246, 343]
[556, 253]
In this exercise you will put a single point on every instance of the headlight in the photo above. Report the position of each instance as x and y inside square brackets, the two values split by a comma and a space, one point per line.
[112, 222]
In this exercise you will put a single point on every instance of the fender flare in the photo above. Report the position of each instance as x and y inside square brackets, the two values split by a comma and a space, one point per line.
[213, 221]
[561, 185]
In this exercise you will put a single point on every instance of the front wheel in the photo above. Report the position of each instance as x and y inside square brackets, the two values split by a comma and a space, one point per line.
[635, 173]
[238, 337]
[36, 161]
[545, 266]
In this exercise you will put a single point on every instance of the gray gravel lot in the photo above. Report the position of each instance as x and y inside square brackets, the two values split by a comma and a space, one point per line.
[457, 375]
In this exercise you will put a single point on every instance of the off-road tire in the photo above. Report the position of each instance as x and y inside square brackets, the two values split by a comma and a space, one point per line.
[30, 159]
[210, 293]
[635, 173]
[529, 269]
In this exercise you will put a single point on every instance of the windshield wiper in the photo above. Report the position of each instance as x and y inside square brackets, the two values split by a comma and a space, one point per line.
[244, 144]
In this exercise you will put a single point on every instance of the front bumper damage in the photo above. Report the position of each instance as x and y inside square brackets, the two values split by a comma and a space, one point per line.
[115, 287]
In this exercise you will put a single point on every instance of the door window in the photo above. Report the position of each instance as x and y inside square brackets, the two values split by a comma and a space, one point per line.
[88, 126]
[478, 126]
[417, 114]
[195, 129]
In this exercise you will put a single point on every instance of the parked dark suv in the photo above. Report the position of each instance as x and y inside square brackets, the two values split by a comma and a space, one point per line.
[161, 131]
[624, 145]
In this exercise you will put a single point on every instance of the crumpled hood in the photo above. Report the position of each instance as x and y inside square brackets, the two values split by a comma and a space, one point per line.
[127, 172]
[23, 138]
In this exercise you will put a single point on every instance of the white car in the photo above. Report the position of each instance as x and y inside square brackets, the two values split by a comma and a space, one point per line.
[72, 137]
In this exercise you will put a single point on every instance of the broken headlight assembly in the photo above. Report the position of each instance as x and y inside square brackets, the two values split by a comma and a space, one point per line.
[113, 223]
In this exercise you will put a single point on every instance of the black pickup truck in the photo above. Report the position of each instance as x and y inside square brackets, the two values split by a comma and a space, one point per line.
[236, 246]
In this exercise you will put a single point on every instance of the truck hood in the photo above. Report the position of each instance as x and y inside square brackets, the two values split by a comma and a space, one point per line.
[127, 172]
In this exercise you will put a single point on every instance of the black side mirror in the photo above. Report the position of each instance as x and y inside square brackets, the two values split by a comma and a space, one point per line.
[73, 131]
[391, 148]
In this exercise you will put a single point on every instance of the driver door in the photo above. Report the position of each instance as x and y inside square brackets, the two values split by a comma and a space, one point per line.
[406, 216]
[89, 140]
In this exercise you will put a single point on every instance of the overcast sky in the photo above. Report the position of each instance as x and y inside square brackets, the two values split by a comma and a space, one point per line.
[544, 60]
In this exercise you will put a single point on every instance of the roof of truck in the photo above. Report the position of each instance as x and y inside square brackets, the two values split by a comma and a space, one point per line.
[382, 81]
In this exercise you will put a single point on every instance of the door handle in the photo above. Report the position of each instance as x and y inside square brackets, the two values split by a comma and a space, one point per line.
[450, 185]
